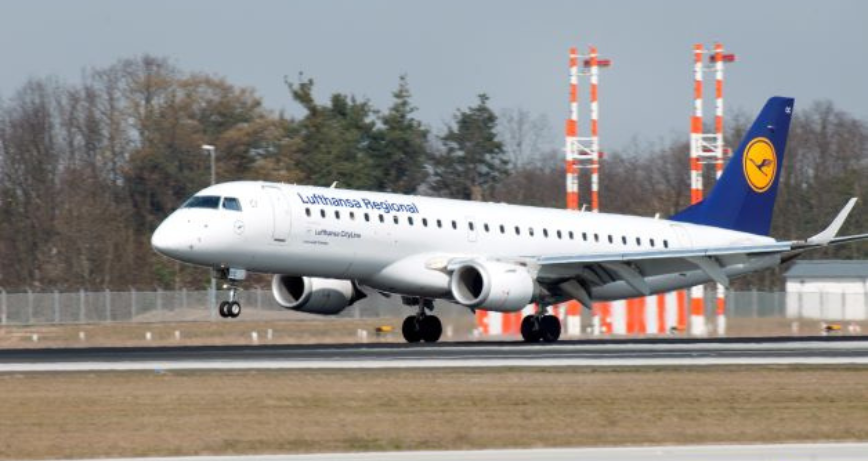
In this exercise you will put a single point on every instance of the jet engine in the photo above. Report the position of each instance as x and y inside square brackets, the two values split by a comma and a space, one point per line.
[314, 295]
[493, 286]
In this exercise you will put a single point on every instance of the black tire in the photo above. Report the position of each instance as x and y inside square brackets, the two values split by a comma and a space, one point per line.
[222, 310]
[530, 329]
[431, 328]
[233, 309]
[410, 329]
[550, 328]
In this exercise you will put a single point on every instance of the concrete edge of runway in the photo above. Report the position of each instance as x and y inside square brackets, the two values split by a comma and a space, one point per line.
[753, 341]
[847, 451]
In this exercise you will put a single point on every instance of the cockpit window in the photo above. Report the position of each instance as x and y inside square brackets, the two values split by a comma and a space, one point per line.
[202, 201]
[231, 203]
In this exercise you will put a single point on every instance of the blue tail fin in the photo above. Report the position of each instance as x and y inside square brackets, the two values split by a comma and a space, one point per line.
[744, 197]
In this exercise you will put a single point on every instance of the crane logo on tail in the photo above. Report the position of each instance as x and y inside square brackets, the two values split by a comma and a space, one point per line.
[760, 164]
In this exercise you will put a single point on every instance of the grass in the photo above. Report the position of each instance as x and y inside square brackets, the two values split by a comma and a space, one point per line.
[45, 415]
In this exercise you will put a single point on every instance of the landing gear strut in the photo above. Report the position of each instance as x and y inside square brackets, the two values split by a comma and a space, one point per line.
[233, 279]
[422, 326]
[540, 326]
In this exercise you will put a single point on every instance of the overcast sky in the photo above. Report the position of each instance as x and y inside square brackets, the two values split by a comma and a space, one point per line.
[516, 51]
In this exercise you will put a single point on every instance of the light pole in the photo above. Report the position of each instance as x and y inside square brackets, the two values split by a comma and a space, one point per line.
[212, 294]
[210, 150]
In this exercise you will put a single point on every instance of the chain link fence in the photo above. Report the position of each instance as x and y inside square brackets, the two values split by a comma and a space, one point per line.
[87, 307]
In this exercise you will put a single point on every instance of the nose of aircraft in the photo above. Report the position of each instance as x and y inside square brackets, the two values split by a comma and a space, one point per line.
[168, 239]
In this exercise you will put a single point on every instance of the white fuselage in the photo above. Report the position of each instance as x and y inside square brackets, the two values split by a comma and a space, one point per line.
[400, 244]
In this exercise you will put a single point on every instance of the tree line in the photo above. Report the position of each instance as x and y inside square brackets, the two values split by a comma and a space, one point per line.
[89, 169]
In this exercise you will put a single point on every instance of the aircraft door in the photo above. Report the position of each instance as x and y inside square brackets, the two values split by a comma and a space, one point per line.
[280, 217]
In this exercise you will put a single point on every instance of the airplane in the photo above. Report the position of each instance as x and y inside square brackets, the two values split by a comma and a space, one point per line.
[330, 247]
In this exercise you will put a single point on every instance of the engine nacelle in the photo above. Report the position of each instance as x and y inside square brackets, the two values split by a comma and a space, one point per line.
[493, 285]
[312, 294]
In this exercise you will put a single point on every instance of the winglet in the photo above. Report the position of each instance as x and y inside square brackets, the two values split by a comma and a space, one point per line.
[823, 238]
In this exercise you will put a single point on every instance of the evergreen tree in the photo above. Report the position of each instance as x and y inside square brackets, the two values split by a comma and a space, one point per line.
[400, 146]
[335, 139]
[473, 161]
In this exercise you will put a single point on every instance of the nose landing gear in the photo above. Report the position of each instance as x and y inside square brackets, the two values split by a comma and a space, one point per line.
[232, 277]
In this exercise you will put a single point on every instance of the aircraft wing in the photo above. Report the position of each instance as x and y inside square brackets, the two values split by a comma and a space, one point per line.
[594, 269]
[633, 267]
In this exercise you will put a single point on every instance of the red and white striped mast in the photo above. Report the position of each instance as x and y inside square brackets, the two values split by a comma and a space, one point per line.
[572, 132]
[584, 152]
[706, 148]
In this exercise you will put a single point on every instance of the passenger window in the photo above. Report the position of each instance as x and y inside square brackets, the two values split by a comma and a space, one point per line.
[469, 225]
[571, 235]
[454, 225]
[623, 240]
[665, 243]
[439, 224]
[395, 219]
[425, 222]
[597, 238]
[322, 213]
[638, 242]
[367, 217]
[307, 212]
[485, 226]
[337, 214]
[502, 229]
[611, 240]
[546, 233]
[558, 234]
[530, 231]
[651, 242]
[352, 215]
[517, 230]
[410, 220]
[382, 219]
[585, 236]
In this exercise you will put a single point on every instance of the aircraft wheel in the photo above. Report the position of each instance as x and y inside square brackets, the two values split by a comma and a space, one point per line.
[530, 329]
[233, 309]
[410, 329]
[431, 328]
[550, 328]
[222, 309]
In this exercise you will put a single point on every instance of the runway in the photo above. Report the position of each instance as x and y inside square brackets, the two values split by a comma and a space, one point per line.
[656, 352]
[789, 452]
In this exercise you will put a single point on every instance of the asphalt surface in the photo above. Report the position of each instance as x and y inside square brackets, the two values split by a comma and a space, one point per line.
[788, 452]
[660, 352]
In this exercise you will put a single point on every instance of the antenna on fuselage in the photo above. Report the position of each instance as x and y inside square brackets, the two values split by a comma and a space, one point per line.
[333, 185]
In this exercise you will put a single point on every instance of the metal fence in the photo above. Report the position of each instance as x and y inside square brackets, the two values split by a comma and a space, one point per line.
[84, 307]
[833, 306]
[41, 308]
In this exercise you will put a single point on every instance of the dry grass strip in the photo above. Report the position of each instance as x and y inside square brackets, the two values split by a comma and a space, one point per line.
[47, 415]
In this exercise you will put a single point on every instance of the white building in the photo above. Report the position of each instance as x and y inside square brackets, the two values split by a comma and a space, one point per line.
[828, 290]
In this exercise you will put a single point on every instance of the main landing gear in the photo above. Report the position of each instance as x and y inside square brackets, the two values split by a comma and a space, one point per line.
[232, 278]
[422, 326]
[540, 326]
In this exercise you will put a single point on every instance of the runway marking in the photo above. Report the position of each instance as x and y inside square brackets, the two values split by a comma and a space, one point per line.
[427, 363]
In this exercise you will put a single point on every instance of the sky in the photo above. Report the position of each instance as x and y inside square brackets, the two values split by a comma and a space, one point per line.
[453, 50]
